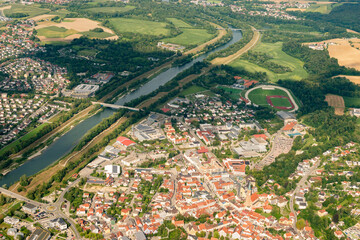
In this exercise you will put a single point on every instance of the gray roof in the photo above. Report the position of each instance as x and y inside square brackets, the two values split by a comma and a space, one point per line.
[40, 234]
[140, 236]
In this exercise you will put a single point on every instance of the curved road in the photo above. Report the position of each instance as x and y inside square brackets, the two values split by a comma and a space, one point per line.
[296, 107]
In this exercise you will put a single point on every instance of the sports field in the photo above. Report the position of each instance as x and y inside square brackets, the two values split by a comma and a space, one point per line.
[281, 102]
[258, 96]
[55, 32]
[139, 26]
[30, 10]
[279, 57]
[190, 36]
[109, 9]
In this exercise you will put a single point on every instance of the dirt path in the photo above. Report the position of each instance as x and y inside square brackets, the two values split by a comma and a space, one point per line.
[2, 10]
[247, 47]
[221, 32]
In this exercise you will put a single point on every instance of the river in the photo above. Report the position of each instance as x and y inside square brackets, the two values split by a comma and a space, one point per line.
[64, 144]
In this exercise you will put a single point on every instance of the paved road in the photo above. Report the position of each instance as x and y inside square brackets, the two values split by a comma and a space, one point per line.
[54, 208]
[301, 184]
[296, 107]
[281, 144]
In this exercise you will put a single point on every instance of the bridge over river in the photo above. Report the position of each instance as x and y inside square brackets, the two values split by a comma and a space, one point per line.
[115, 106]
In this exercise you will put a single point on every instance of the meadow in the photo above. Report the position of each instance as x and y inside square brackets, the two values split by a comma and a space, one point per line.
[55, 32]
[179, 23]
[109, 9]
[279, 57]
[352, 102]
[30, 10]
[139, 26]
[192, 90]
[190, 36]
[233, 93]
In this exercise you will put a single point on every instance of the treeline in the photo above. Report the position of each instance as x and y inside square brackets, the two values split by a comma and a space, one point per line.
[78, 106]
[316, 62]
[195, 69]
[262, 59]
[103, 125]
[346, 15]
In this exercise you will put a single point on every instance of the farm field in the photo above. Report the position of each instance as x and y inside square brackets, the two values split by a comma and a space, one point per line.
[346, 54]
[145, 27]
[190, 36]
[69, 29]
[353, 79]
[336, 102]
[31, 11]
[109, 9]
[279, 57]
[55, 32]
[322, 8]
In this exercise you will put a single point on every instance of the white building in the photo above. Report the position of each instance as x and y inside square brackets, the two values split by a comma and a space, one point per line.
[112, 170]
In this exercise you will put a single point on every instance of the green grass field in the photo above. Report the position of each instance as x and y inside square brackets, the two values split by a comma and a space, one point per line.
[233, 92]
[192, 90]
[24, 138]
[139, 26]
[55, 32]
[323, 8]
[352, 102]
[31, 10]
[87, 53]
[281, 102]
[179, 23]
[109, 9]
[92, 34]
[60, 12]
[279, 57]
[190, 36]
[258, 96]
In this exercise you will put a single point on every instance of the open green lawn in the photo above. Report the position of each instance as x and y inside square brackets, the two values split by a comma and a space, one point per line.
[279, 57]
[179, 23]
[55, 32]
[30, 10]
[87, 53]
[352, 102]
[109, 9]
[280, 102]
[23, 138]
[139, 26]
[258, 96]
[190, 36]
[92, 34]
[233, 92]
[60, 12]
[192, 90]
[323, 8]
